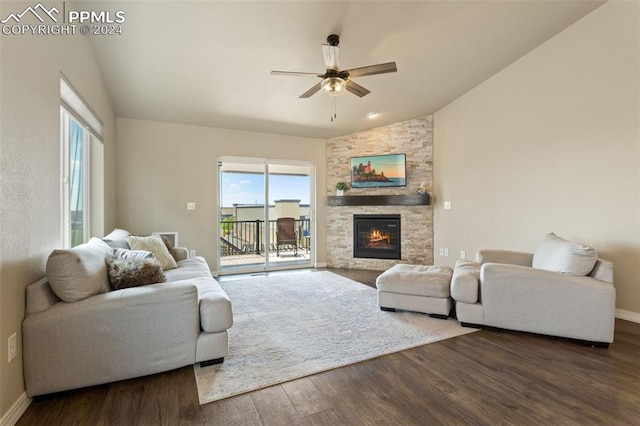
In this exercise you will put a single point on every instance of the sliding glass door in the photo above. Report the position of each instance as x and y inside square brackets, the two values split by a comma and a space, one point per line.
[265, 215]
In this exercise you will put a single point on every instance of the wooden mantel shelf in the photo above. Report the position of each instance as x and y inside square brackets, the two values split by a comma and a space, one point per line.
[379, 200]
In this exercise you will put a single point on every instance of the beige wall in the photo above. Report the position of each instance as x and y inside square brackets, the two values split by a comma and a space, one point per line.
[162, 166]
[551, 143]
[30, 68]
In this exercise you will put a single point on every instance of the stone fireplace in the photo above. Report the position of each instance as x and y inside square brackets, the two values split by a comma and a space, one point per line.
[377, 236]
[415, 139]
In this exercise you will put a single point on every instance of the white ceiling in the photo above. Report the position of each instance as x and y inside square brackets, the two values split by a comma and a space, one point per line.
[209, 62]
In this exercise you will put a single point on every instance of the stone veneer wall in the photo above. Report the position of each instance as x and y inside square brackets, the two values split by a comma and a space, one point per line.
[415, 139]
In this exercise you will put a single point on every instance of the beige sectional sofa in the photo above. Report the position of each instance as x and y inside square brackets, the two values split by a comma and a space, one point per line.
[562, 289]
[108, 335]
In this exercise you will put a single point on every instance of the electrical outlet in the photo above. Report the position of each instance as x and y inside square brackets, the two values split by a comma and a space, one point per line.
[447, 205]
[446, 252]
[463, 254]
[192, 253]
[441, 251]
[191, 205]
[13, 347]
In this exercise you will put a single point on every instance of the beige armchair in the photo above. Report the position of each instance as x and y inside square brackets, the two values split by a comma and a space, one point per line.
[562, 289]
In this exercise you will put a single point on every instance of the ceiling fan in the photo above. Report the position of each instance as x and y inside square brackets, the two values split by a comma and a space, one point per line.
[336, 81]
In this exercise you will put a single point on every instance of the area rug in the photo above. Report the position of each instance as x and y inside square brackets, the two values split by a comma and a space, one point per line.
[297, 324]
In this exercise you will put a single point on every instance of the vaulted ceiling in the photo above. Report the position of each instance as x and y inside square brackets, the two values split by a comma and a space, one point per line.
[208, 62]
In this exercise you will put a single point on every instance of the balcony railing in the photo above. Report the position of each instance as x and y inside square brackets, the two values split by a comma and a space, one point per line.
[248, 236]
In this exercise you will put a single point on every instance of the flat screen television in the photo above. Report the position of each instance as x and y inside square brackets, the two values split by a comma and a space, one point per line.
[375, 171]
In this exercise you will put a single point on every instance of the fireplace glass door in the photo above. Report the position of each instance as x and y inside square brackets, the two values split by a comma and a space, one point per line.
[377, 236]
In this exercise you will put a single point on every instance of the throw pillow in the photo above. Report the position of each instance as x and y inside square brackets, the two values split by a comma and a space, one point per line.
[80, 272]
[117, 239]
[119, 253]
[125, 273]
[170, 247]
[154, 244]
[559, 255]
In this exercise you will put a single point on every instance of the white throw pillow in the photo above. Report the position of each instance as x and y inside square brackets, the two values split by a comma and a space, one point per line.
[117, 238]
[77, 273]
[559, 255]
[155, 245]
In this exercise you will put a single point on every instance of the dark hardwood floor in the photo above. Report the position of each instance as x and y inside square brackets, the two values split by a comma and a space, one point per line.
[488, 377]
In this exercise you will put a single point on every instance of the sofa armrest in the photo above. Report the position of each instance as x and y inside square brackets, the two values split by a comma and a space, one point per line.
[504, 256]
[40, 297]
[216, 309]
[540, 301]
[180, 253]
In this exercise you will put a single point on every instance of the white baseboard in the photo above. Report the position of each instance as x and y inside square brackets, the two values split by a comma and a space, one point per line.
[320, 265]
[16, 411]
[628, 315]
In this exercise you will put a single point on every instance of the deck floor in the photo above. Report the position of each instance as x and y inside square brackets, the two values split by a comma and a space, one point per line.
[286, 257]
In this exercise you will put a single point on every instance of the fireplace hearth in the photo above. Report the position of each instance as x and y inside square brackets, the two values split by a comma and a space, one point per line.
[376, 236]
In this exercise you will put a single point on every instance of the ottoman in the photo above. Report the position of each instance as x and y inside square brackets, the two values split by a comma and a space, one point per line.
[416, 288]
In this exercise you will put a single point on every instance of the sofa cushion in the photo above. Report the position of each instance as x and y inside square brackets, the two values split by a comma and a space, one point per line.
[80, 272]
[194, 267]
[133, 272]
[416, 280]
[117, 239]
[559, 255]
[155, 245]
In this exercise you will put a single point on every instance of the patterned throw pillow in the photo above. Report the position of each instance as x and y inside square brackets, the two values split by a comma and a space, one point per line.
[125, 273]
[155, 245]
[120, 253]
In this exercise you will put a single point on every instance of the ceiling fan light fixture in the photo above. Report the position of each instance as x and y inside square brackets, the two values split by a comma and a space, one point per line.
[334, 86]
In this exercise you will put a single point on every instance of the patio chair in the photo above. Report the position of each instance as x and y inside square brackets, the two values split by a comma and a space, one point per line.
[286, 234]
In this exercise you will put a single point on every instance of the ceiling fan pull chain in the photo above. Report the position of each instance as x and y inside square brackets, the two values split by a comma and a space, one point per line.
[334, 108]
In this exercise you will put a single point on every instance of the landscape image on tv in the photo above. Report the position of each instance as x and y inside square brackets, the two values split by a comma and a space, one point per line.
[378, 170]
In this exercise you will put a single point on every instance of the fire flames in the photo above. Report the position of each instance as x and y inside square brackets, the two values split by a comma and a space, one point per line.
[377, 238]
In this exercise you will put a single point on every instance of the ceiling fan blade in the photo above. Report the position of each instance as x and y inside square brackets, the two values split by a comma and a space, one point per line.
[331, 57]
[311, 92]
[356, 89]
[297, 74]
[372, 69]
